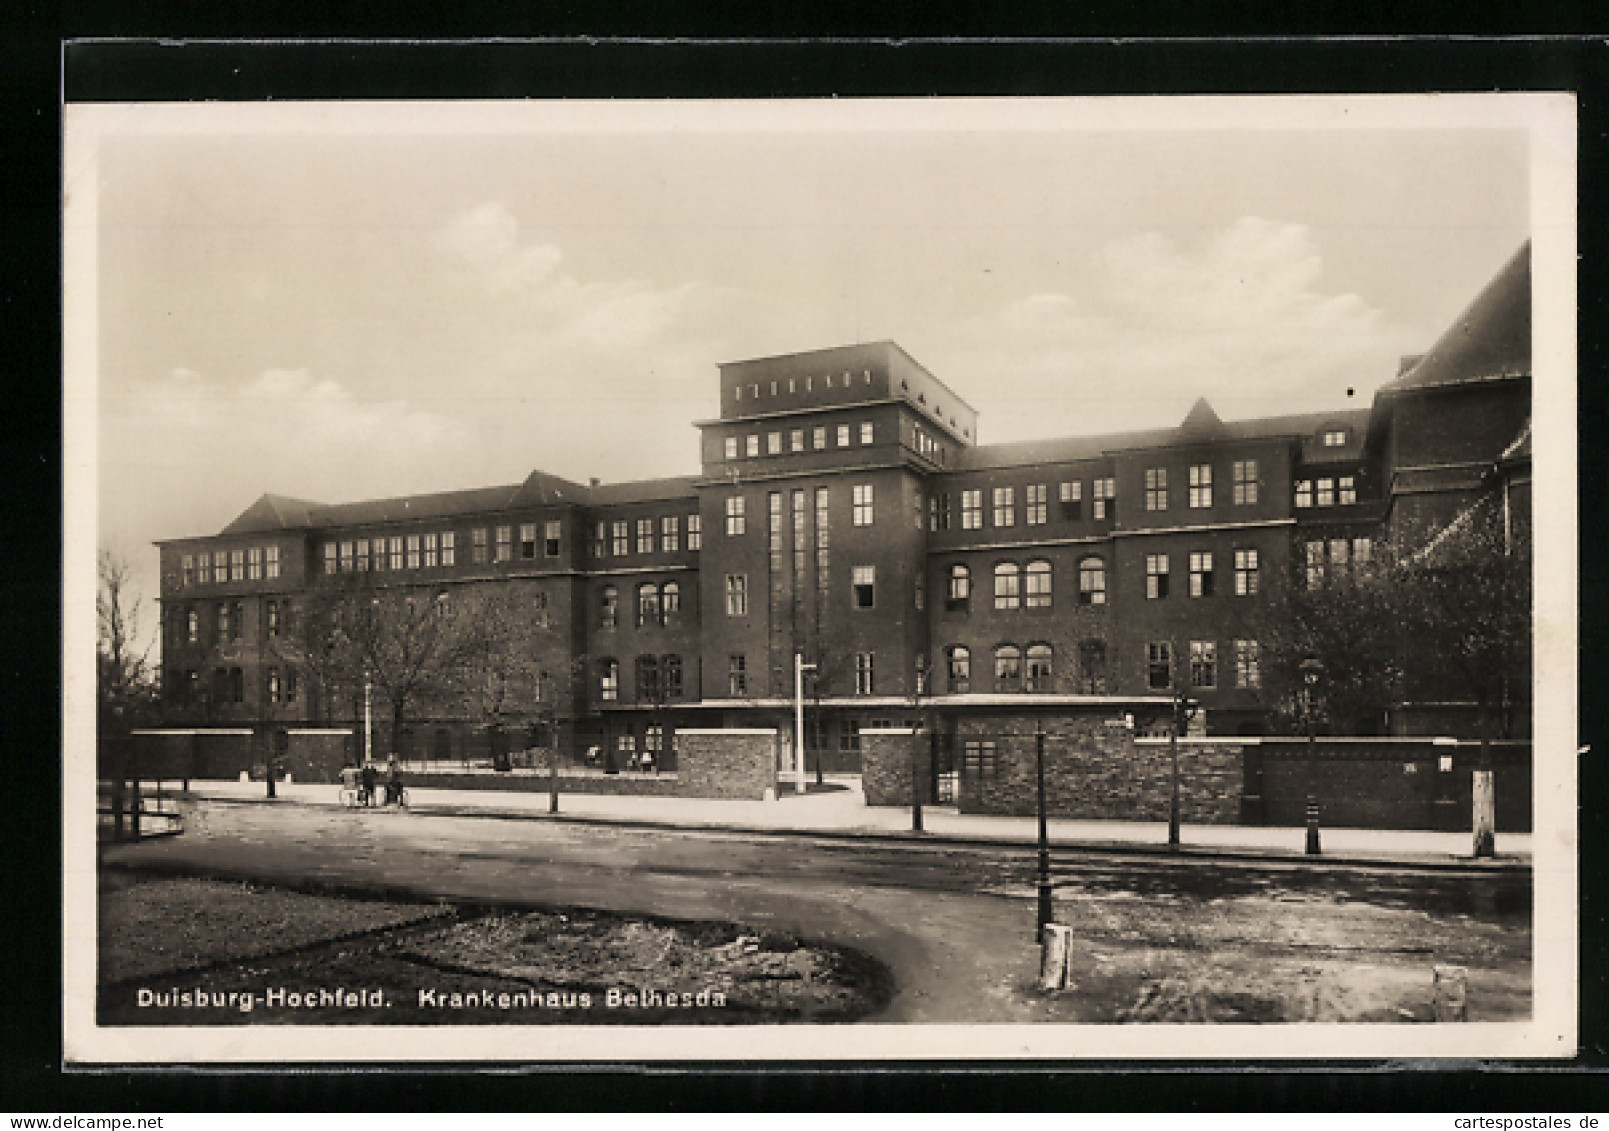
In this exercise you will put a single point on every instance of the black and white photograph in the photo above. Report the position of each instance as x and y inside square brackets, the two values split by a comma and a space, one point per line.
[817, 580]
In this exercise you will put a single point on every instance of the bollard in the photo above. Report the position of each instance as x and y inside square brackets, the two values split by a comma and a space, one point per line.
[1484, 819]
[1055, 957]
[245, 776]
[1312, 828]
[769, 794]
[1452, 993]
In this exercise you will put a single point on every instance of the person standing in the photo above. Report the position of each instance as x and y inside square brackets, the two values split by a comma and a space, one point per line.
[370, 778]
[394, 782]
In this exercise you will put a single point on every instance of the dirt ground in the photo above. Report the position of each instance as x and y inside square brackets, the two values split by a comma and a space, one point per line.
[200, 951]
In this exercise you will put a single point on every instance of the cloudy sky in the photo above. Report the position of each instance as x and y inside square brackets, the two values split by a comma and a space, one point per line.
[348, 302]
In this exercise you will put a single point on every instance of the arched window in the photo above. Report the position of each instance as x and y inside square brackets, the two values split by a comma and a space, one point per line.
[609, 680]
[1037, 589]
[610, 610]
[647, 604]
[1092, 581]
[1007, 586]
[1008, 668]
[958, 666]
[1039, 669]
[670, 601]
[959, 593]
[648, 689]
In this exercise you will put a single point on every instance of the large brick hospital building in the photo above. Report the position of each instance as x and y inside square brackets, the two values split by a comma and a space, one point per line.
[845, 513]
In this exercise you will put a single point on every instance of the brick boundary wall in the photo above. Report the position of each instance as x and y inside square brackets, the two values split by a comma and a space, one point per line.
[886, 769]
[622, 785]
[736, 763]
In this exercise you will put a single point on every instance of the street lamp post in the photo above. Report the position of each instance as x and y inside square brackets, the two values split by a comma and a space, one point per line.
[799, 668]
[1173, 759]
[1312, 668]
[916, 760]
[1044, 830]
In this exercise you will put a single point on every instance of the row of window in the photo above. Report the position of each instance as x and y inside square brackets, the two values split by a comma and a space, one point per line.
[1032, 668]
[658, 604]
[615, 538]
[229, 686]
[793, 384]
[1202, 574]
[247, 563]
[1328, 491]
[1328, 557]
[658, 678]
[439, 549]
[793, 441]
[1002, 504]
[228, 622]
[1203, 661]
[1199, 493]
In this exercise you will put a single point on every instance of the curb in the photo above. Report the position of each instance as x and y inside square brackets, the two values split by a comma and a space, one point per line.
[1185, 854]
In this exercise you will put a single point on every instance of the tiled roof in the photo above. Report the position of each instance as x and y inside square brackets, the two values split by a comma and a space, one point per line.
[642, 491]
[1490, 340]
[272, 512]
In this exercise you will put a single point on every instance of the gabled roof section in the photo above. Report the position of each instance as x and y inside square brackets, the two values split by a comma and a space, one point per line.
[542, 489]
[1201, 424]
[1489, 341]
[271, 513]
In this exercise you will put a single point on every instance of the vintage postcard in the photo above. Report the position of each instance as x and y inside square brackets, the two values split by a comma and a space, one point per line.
[822, 580]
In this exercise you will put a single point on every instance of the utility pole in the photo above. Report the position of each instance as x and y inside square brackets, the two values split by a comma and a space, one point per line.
[1045, 915]
[799, 668]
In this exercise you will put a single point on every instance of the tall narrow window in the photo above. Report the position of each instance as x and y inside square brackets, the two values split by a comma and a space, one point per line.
[1008, 668]
[864, 680]
[645, 535]
[670, 597]
[347, 557]
[670, 673]
[863, 579]
[729, 447]
[843, 434]
[413, 551]
[736, 522]
[1362, 550]
[609, 607]
[204, 564]
[751, 445]
[273, 685]
[1201, 485]
[958, 665]
[1034, 508]
[363, 555]
[237, 565]
[1104, 494]
[737, 676]
[737, 595]
[818, 437]
[254, 563]
[620, 538]
[695, 532]
[648, 679]
[187, 571]
[609, 680]
[971, 510]
[224, 632]
[1007, 586]
[192, 626]
[1314, 560]
[647, 604]
[273, 561]
[220, 566]
[773, 443]
[670, 535]
[1245, 473]
[958, 595]
[796, 440]
[505, 543]
[1245, 573]
[449, 548]
[1324, 493]
[1156, 488]
[1204, 663]
[477, 545]
[395, 547]
[862, 513]
[527, 540]
[271, 618]
[866, 432]
[1005, 506]
[1092, 667]
[1159, 664]
[432, 552]
[1248, 664]
[1304, 493]
[1200, 574]
[1036, 588]
[1092, 581]
[1156, 576]
[1039, 668]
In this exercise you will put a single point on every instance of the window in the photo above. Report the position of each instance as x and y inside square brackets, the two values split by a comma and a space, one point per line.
[647, 604]
[978, 758]
[223, 622]
[1159, 664]
[192, 626]
[1007, 586]
[730, 447]
[271, 618]
[1036, 590]
[1034, 510]
[773, 443]
[396, 552]
[670, 675]
[863, 580]
[527, 540]
[1071, 496]
[843, 432]
[1092, 581]
[254, 563]
[670, 534]
[237, 565]
[1005, 506]
[187, 570]
[347, 559]
[863, 673]
[1248, 667]
[272, 564]
[818, 437]
[273, 685]
[737, 677]
[849, 735]
[736, 523]
[609, 607]
[204, 564]
[1245, 474]
[413, 551]
[1092, 667]
[1245, 573]
[237, 685]
[505, 544]
[220, 567]
[648, 679]
[865, 431]
[1346, 490]
[1314, 555]
[958, 669]
[670, 601]
[432, 557]
[1201, 485]
[1039, 668]
[943, 515]
[1204, 663]
[796, 440]
[1103, 492]
[1156, 488]
[959, 593]
[919, 592]
[1339, 556]
[1200, 574]
[1304, 493]
[863, 508]
[449, 549]
[1362, 550]
[363, 555]
[290, 686]
[645, 535]
[695, 532]
[1335, 438]
[971, 510]
[609, 680]
[1007, 668]
[620, 538]
[1156, 576]
[751, 445]
[477, 545]
[1324, 496]
[329, 562]
[737, 594]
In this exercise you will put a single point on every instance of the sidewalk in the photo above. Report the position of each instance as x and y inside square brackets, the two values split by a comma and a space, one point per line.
[845, 813]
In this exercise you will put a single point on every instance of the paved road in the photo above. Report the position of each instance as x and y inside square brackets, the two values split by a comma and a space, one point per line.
[955, 922]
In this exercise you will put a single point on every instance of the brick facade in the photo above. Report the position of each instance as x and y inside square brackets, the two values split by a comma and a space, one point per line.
[890, 761]
[736, 764]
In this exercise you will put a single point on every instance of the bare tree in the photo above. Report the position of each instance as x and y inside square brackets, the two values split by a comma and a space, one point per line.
[125, 689]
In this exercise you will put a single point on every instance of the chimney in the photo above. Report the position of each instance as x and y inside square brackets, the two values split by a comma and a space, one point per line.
[594, 482]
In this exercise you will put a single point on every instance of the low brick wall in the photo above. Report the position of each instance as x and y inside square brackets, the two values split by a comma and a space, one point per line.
[650, 785]
[886, 765]
[736, 763]
[223, 754]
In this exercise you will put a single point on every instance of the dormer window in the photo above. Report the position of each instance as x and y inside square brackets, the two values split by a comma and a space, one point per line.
[1335, 437]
